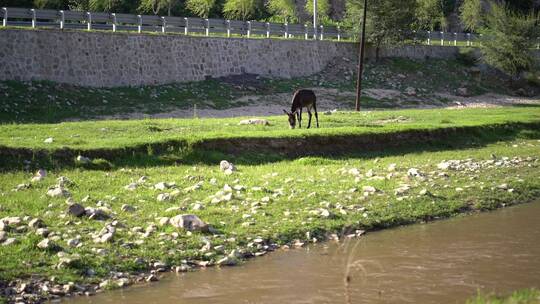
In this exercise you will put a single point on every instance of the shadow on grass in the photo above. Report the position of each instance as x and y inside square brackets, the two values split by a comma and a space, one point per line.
[257, 151]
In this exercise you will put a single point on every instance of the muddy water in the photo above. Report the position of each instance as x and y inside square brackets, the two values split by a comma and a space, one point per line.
[441, 262]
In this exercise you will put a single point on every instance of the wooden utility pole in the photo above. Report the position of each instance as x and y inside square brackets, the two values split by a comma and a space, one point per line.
[361, 59]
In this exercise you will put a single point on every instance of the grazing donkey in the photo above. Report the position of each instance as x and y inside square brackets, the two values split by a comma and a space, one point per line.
[302, 99]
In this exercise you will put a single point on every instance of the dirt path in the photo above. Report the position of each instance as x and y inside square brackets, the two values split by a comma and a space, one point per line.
[330, 99]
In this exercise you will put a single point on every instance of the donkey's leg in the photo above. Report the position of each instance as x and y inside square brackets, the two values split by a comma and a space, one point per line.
[316, 115]
[299, 114]
[309, 119]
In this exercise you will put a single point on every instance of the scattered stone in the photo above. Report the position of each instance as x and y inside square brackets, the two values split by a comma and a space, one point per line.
[9, 241]
[413, 172]
[163, 197]
[152, 278]
[39, 176]
[63, 181]
[163, 186]
[105, 238]
[36, 223]
[227, 167]
[189, 222]
[127, 208]
[43, 232]
[58, 191]
[254, 121]
[45, 244]
[228, 261]
[49, 140]
[21, 187]
[83, 160]
[391, 168]
[73, 242]
[503, 186]
[131, 186]
[3, 236]
[369, 189]
[76, 210]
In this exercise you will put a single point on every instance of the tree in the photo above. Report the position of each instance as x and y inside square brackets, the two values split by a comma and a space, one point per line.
[284, 9]
[388, 21]
[323, 8]
[240, 9]
[51, 4]
[157, 6]
[200, 8]
[471, 14]
[429, 14]
[507, 39]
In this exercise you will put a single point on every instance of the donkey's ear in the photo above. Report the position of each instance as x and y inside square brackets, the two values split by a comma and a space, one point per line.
[285, 111]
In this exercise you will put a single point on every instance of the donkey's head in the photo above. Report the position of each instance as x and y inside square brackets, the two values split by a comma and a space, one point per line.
[292, 119]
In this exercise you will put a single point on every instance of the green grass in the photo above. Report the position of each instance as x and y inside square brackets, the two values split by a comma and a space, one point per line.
[291, 190]
[90, 135]
[523, 296]
[46, 102]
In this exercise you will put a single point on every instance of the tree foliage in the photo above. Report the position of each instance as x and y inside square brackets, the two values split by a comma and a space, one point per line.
[200, 8]
[507, 43]
[283, 9]
[471, 14]
[429, 14]
[387, 20]
[240, 9]
[323, 8]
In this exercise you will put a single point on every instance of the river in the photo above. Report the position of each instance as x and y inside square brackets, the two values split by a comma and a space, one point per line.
[440, 262]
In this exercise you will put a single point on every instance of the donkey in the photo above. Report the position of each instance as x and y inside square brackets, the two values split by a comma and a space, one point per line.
[302, 99]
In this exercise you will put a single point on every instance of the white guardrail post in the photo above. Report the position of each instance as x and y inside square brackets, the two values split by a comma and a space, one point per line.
[163, 25]
[62, 19]
[33, 11]
[89, 25]
[113, 15]
[119, 21]
[5, 10]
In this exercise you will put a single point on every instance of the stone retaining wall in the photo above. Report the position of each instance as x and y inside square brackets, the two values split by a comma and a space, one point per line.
[100, 59]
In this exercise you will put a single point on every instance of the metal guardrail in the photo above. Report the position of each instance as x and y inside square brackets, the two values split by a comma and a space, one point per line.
[65, 19]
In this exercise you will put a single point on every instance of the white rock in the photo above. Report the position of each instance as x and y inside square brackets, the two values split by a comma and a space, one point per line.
[414, 172]
[83, 160]
[254, 121]
[44, 244]
[163, 197]
[58, 192]
[131, 186]
[49, 140]
[189, 222]
[391, 167]
[369, 189]
[127, 208]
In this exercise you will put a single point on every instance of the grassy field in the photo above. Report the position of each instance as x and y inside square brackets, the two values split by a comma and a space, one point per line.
[46, 102]
[524, 296]
[269, 202]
